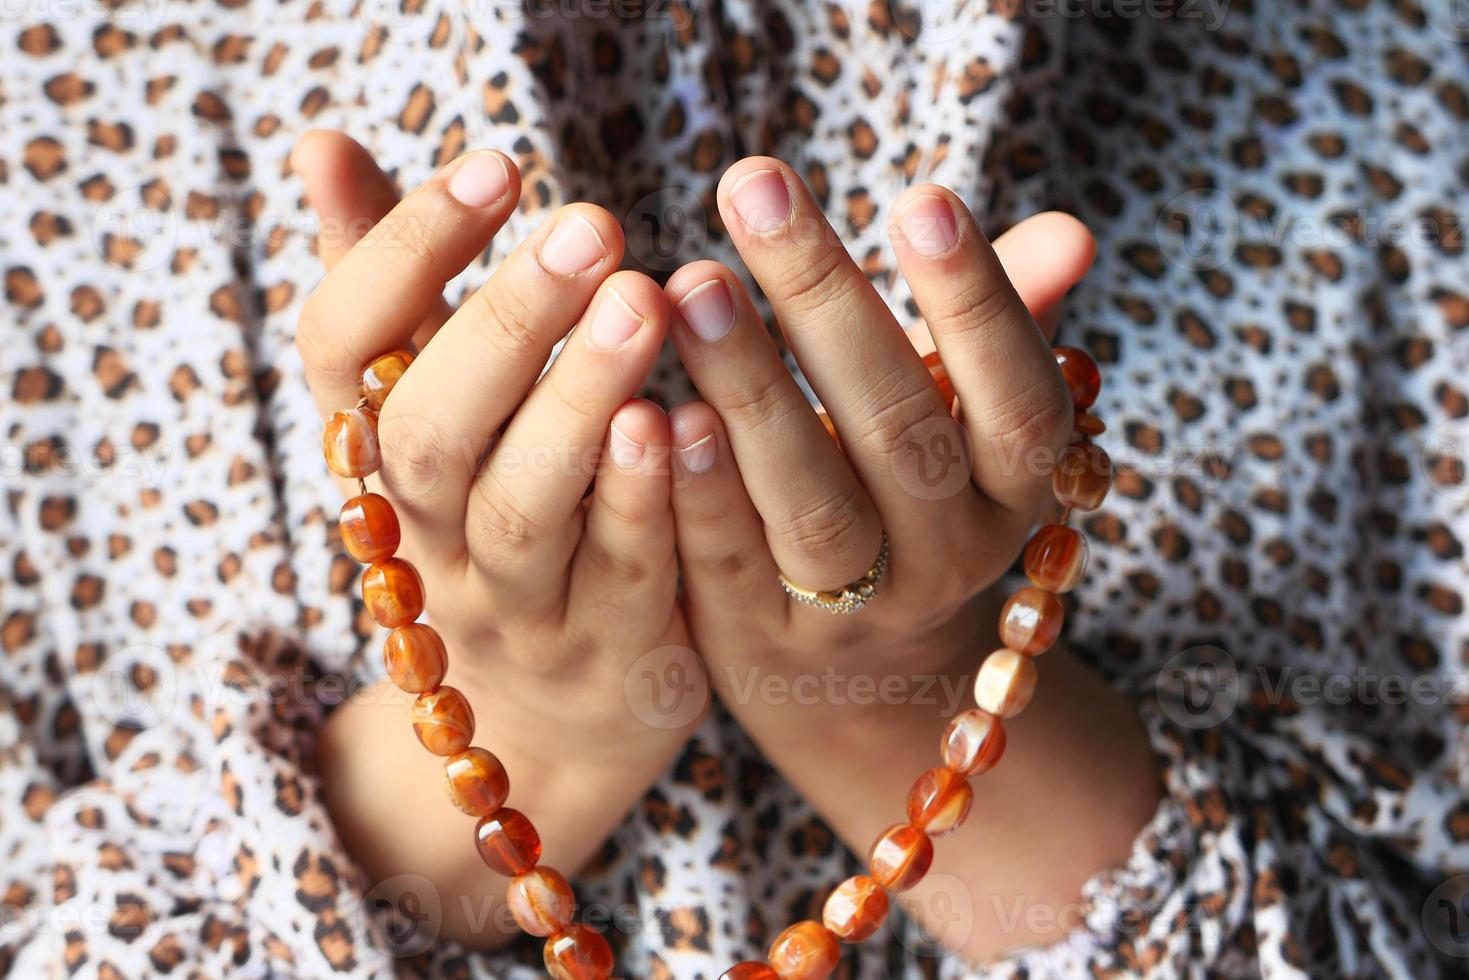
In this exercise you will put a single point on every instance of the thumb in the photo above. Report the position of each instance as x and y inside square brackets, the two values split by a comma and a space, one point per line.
[1044, 256]
[350, 194]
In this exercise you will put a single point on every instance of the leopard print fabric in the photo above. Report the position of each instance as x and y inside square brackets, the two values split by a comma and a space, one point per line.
[1285, 383]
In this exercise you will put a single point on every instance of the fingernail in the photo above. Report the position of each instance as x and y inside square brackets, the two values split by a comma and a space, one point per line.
[708, 310]
[625, 452]
[928, 225]
[613, 323]
[762, 200]
[699, 457]
[573, 246]
[480, 181]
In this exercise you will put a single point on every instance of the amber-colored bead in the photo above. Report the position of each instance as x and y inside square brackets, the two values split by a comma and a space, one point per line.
[939, 801]
[415, 658]
[381, 375]
[578, 953]
[940, 375]
[805, 951]
[508, 842]
[900, 857]
[830, 427]
[1081, 374]
[1005, 683]
[1082, 476]
[855, 909]
[1031, 620]
[541, 901]
[443, 721]
[973, 742]
[350, 443]
[1089, 425]
[476, 782]
[369, 528]
[393, 592]
[749, 970]
[1055, 558]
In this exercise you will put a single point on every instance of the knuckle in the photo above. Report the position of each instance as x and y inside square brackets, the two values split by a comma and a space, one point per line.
[578, 406]
[823, 524]
[415, 454]
[405, 239]
[506, 323]
[1033, 416]
[616, 570]
[766, 403]
[816, 285]
[974, 306]
[501, 529]
[896, 408]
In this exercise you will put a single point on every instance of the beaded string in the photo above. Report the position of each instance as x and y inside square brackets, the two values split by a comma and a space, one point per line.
[539, 897]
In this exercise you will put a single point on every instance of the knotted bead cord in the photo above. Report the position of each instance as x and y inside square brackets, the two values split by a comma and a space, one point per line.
[539, 897]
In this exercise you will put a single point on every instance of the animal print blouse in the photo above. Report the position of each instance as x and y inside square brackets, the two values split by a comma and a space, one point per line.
[1281, 304]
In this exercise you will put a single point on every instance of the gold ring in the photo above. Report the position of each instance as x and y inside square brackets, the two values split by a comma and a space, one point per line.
[850, 597]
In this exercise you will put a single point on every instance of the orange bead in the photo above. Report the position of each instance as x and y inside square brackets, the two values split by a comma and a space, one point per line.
[541, 901]
[855, 909]
[749, 970]
[350, 443]
[393, 592]
[830, 427]
[415, 658]
[1081, 375]
[805, 951]
[1082, 476]
[381, 375]
[369, 528]
[973, 742]
[1055, 558]
[578, 953]
[1030, 621]
[939, 801]
[940, 375]
[476, 782]
[900, 857]
[1005, 683]
[508, 842]
[443, 721]
[1089, 425]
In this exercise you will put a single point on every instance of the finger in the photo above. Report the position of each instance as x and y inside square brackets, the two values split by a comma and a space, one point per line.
[541, 467]
[821, 525]
[1044, 257]
[350, 194]
[459, 392]
[729, 573]
[625, 565]
[379, 291]
[1015, 404]
[879, 395]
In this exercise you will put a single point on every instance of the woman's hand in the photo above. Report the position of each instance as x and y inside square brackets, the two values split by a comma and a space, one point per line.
[544, 596]
[765, 490]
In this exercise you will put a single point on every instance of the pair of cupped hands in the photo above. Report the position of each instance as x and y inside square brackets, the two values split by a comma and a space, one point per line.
[553, 516]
